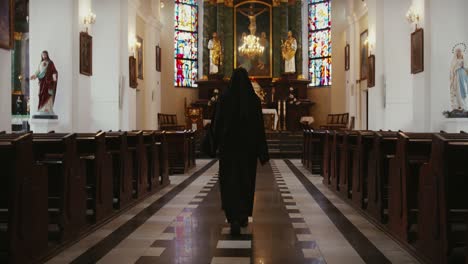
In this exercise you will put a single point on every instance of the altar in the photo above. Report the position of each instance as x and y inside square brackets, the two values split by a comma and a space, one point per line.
[265, 42]
[286, 98]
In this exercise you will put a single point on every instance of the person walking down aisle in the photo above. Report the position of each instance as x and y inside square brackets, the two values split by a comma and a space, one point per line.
[240, 135]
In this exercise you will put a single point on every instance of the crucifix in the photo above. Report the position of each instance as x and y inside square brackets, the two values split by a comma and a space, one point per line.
[252, 14]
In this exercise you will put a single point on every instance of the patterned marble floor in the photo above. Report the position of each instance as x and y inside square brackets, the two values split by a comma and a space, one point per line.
[296, 220]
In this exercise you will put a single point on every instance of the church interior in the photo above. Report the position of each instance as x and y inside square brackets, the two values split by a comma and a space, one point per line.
[105, 106]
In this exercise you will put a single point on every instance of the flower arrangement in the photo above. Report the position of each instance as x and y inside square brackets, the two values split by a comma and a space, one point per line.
[214, 97]
[292, 97]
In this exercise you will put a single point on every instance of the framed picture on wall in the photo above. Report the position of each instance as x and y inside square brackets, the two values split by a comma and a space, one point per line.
[158, 58]
[86, 54]
[417, 51]
[347, 57]
[6, 23]
[133, 72]
[140, 57]
[364, 51]
[371, 71]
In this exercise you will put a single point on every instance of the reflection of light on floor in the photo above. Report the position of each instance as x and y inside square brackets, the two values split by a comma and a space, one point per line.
[183, 236]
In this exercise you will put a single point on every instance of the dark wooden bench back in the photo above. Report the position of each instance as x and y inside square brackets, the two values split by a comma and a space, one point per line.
[442, 199]
[168, 122]
[122, 168]
[23, 200]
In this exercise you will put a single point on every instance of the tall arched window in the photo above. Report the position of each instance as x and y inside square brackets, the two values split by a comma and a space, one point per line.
[186, 43]
[320, 50]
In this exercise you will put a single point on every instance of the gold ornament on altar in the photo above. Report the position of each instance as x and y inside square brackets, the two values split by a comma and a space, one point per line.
[258, 91]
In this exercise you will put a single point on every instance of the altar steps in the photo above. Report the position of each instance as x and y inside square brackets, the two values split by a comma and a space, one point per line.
[281, 145]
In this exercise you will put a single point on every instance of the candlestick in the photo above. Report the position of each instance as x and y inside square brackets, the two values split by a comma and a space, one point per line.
[284, 114]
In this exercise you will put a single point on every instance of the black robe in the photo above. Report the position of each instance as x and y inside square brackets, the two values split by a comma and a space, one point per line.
[240, 135]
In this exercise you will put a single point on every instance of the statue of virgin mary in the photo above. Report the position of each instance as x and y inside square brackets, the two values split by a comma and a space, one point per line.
[458, 82]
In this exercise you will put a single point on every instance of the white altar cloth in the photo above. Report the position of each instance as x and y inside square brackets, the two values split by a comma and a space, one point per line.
[272, 111]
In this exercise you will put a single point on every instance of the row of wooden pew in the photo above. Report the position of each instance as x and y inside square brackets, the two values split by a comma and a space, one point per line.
[55, 186]
[414, 185]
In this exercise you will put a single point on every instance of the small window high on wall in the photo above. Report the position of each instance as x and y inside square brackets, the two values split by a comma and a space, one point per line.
[320, 50]
[186, 43]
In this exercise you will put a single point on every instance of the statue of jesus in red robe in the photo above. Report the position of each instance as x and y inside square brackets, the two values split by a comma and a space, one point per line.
[47, 75]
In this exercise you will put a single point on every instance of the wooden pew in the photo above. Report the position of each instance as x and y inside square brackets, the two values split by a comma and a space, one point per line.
[338, 177]
[140, 163]
[412, 151]
[350, 164]
[383, 149]
[328, 157]
[192, 149]
[23, 201]
[161, 141]
[178, 151]
[169, 122]
[152, 153]
[66, 191]
[337, 122]
[315, 158]
[360, 168]
[122, 168]
[443, 207]
[99, 180]
[305, 159]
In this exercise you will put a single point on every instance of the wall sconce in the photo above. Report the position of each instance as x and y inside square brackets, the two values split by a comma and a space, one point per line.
[89, 19]
[162, 4]
[412, 17]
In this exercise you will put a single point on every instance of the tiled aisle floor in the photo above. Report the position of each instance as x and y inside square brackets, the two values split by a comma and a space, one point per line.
[296, 220]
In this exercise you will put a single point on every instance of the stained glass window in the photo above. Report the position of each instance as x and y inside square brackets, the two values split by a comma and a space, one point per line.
[320, 45]
[186, 43]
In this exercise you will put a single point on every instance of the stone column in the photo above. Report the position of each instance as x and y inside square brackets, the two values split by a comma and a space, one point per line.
[228, 44]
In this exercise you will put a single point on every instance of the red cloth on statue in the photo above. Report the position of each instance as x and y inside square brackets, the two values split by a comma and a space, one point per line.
[47, 83]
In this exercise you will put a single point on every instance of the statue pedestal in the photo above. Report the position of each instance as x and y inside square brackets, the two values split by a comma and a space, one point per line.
[42, 125]
[455, 125]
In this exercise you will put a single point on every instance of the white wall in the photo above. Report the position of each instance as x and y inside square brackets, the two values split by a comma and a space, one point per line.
[401, 100]
[398, 87]
[52, 28]
[102, 108]
[5, 91]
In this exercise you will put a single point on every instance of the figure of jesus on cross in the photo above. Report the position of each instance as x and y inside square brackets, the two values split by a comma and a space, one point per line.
[252, 14]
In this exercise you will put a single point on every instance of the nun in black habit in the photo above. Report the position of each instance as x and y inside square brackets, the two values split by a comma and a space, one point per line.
[240, 136]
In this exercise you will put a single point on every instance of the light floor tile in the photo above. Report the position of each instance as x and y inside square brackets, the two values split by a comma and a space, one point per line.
[166, 236]
[300, 225]
[234, 244]
[292, 215]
